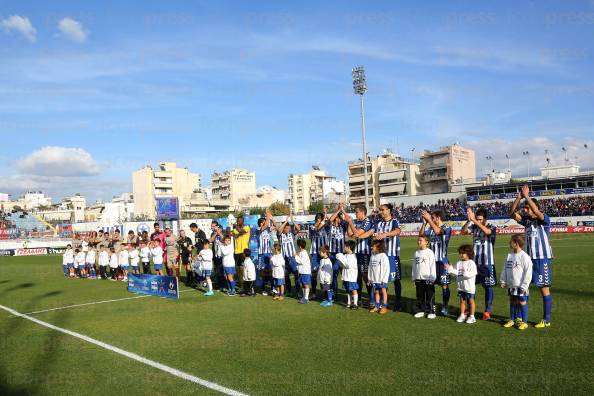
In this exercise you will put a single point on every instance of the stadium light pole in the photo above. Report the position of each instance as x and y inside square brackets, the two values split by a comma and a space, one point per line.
[360, 87]
[527, 154]
[508, 162]
[490, 159]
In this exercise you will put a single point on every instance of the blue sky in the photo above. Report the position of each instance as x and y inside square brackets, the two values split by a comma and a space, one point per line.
[266, 86]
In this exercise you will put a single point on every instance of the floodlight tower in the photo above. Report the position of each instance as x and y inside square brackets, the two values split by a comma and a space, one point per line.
[360, 87]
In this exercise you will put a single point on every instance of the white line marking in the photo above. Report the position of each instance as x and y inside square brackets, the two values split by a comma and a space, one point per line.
[82, 305]
[133, 356]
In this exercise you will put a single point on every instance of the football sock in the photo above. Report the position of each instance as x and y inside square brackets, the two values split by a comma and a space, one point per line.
[329, 294]
[547, 306]
[524, 310]
[512, 311]
[232, 286]
[488, 298]
[65, 269]
[356, 299]
[348, 299]
[446, 297]
[398, 290]
[306, 294]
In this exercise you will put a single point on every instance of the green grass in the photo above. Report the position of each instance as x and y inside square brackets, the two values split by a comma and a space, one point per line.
[260, 346]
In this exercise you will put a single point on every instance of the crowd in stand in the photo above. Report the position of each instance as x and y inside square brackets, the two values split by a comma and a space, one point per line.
[455, 210]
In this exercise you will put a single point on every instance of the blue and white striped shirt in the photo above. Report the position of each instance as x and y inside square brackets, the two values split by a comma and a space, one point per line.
[317, 238]
[336, 236]
[393, 242]
[483, 244]
[287, 242]
[363, 245]
[439, 243]
[537, 237]
[264, 241]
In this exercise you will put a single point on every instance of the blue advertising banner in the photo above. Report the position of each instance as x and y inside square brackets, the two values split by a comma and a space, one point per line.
[156, 285]
[167, 208]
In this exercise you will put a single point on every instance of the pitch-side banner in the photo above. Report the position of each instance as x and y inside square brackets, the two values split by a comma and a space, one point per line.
[156, 285]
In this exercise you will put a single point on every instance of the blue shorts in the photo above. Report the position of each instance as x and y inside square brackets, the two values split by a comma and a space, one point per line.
[363, 262]
[158, 267]
[135, 268]
[465, 295]
[90, 265]
[542, 272]
[335, 263]
[278, 282]
[290, 265]
[124, 267]
[305, 279]
[206, 273]
[315, 262]
[486, 275]
[395, 271]
[350, 286]
[263, 261]
[378, 286]
[443, 277]
[229, 270]
[70, 265]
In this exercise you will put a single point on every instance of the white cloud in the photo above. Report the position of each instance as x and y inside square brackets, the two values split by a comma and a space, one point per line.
[22, 25]
[73, 30]
[58, 161]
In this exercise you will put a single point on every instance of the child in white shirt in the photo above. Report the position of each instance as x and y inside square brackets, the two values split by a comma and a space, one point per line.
[226, 250]
[91, 259]
[157, 255]
[325, 275]
[249, 275]
[145, 258]
[68, 261]
[203, 266]
[134, 255]
[303, 269]
[124, 261]
[103, 262]
[277, 261]
[79, 261]
[516, 277]
[113, 263]
[348, 262]
[378, 275]
[466, 272]
[424, 274]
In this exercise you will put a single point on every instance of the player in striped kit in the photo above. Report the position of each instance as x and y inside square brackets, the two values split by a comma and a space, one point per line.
[388, 230]
[263, 267]
[336, 228]
[439, 238]
[317, 237]
[537, 230]
[483, 238]
[357, 228]
[286, 238]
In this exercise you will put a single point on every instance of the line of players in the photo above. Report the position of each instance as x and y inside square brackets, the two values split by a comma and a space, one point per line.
[362, 260]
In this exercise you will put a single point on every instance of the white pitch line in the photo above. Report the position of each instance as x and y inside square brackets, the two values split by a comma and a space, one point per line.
[133, 356]
[82, 305]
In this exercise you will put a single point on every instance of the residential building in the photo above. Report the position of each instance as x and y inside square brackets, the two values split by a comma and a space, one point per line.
[233, 185]
[445, 167]
[263, 198]
[164, 182]
[307, 188]
[388, 176]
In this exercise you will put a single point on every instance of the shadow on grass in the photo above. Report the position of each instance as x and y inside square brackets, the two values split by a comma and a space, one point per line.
[31, 383]
[5, 281]
[570, 292]
[21, 286]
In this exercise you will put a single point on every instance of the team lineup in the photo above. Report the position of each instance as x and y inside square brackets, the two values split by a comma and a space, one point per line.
[362, 251]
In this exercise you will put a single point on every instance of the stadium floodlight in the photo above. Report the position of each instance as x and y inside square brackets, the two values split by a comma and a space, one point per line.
[360, 87]
[527, 154]
[508, 162]
[490, 158]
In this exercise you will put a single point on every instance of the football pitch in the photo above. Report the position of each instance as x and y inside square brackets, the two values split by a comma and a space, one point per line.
[257, 346]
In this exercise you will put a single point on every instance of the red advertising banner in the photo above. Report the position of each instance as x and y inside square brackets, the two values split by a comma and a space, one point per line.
[3, 233]
[30, 252]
